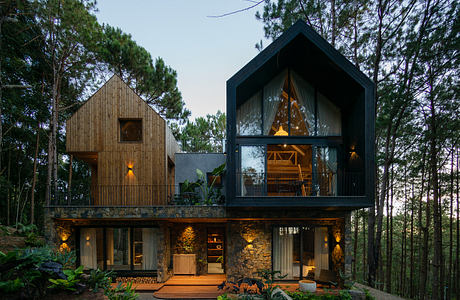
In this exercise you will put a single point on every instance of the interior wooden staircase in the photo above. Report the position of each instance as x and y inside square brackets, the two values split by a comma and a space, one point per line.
[285, 175]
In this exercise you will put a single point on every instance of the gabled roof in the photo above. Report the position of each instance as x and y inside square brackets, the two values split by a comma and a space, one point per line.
[302, 43]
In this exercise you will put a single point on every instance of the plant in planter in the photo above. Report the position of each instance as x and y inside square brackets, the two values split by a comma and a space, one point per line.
[210, 193]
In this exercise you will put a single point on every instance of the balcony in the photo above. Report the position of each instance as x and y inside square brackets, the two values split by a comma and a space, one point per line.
[300, 184]
[133, 196]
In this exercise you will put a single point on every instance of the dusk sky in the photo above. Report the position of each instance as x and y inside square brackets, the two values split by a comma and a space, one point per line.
[204, 51]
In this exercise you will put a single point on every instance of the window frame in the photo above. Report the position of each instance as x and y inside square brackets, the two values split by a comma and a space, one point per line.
[120, 124]
[104, 234]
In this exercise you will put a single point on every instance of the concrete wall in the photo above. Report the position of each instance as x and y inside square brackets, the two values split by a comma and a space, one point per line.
[187, 163]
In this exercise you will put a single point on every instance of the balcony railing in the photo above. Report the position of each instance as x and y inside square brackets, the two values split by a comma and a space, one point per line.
[309, 184]
[131, 195]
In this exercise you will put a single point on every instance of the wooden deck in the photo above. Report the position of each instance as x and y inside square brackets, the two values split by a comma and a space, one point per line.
[191, 287]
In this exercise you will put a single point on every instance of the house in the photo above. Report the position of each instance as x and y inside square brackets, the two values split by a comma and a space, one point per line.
[299, 158]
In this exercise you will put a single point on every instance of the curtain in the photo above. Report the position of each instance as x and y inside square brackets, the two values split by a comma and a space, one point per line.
[272, 99]
[306, 100]
[329, 117]
[88, 248]
[149, 248]
[321, 250]
[283, 247]
[249, 116]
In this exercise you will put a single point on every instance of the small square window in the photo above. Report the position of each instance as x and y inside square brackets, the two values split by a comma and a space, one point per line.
[130, 130]
[211, 178]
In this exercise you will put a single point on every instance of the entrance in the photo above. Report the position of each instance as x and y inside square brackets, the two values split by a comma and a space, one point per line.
[215, 246]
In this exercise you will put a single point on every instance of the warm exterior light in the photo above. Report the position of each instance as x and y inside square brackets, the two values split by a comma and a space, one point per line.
[64, 236]
[87, 237]
[64, 247]
[281, 132]
[130, 169]
[338, 238]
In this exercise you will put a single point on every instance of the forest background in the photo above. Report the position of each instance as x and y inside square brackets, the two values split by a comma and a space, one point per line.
[407, 244]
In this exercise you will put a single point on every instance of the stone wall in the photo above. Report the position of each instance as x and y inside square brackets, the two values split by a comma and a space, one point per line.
[249, 249]
[191, 239]
[348, 245]
[164, 253]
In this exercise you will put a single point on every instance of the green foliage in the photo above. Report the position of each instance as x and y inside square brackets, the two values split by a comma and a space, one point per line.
[154, 81]
[122, 292]
[73, 278]
[209, 192]
[204, 135]
[99, 279]
[66, 258]
[342, 295]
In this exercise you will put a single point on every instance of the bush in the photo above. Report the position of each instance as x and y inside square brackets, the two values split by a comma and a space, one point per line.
[99, 279]
[122, 292]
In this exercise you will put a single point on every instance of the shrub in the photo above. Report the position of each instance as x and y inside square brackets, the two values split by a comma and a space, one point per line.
[71, 283]
[99, 279]
[122, 292]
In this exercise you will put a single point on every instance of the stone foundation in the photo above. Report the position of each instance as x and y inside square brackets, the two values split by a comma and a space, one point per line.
[248, 249]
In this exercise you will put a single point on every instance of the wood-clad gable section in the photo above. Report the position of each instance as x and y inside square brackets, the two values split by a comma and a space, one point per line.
[94, 132]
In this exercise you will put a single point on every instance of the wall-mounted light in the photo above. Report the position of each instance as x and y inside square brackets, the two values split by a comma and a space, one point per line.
[130, 169]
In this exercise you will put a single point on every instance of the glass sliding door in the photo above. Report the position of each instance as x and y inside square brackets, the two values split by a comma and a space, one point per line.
[91, 248]
[286, 251]
[300, 252]
[118, 249]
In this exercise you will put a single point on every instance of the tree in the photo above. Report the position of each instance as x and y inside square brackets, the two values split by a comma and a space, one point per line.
[205, 134]
[153, 81]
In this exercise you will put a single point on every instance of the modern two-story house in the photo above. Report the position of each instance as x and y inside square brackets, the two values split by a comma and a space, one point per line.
[299, 158]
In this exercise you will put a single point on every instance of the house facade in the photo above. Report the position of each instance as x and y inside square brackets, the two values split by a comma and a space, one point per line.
[299, 158]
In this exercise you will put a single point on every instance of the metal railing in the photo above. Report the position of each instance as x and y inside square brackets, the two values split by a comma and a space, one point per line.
[132, 195]
[290, 184]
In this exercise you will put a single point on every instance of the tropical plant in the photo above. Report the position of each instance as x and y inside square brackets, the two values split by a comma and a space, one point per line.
[122, 292]
[71, 283]
[209, 192]
[99, 279]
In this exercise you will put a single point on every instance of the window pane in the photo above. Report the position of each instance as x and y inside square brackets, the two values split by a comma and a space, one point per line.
[130, 130]
[251, 179]
[329, 117]
[286, 245]
[91, 254]
[145, 248]
[249, 116]
[302, 106]
[276, 106]
[327, 171]
[289, 170]
[118, 249]
[308, 252]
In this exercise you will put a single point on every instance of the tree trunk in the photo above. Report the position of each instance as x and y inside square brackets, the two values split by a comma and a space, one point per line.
[436, 207]
[426, 233]
[457, 262]
[364, 245]
[411, 274]
[334, 29]
[34, 178]
[451, 229]
[355, 243]
[69, 195]
[390, 234]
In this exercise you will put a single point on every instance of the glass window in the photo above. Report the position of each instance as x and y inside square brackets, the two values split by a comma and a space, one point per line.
[249, 116]
[91, 248]
[145, 247]
[296, 259]
[329, 117]
[302, 106]
[327, 171]
[130, 130]
[118, 249]
[286, 246]
[289, 170]
[252, 174]
[275, 101]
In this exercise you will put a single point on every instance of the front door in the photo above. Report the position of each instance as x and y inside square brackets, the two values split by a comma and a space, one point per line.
[215, 246]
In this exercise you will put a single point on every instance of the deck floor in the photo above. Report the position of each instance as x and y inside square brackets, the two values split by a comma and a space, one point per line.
[191, 287]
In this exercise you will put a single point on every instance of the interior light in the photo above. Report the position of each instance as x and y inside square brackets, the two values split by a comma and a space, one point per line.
[281, 132]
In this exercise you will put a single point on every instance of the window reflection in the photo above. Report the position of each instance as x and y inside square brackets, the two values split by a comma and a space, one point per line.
[251, 181]
[288, 109]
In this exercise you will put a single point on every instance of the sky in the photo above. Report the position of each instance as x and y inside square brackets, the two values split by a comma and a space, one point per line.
[204, 51]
